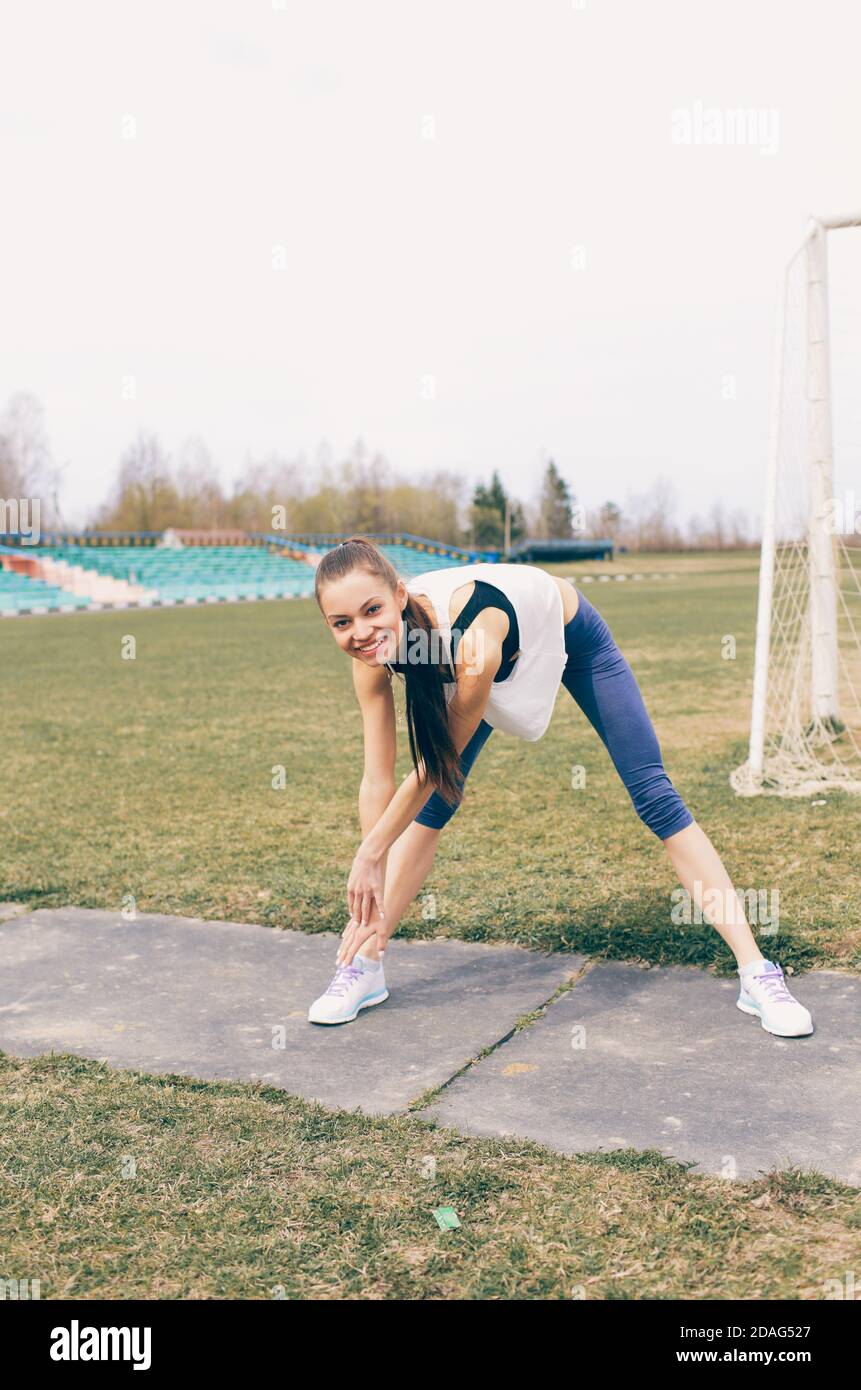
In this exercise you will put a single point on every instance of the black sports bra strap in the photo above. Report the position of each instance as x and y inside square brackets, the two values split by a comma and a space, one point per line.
[484, 596]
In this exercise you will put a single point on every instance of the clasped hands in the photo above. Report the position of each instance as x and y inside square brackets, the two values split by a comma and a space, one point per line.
[364, 893]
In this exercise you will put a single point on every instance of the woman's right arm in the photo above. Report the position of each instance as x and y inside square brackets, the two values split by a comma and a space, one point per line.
[377, 703]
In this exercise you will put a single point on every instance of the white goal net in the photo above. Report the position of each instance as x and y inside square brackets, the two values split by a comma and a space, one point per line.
[805, 734]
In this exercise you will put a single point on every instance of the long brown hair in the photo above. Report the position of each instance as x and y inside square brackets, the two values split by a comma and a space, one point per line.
[424, 681]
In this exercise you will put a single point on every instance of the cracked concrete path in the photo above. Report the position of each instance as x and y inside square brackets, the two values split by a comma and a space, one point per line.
[229, 1001]
[662, 1059]
[647, 1059]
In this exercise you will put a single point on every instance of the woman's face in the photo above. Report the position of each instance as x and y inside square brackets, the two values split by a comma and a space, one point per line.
[364, 615]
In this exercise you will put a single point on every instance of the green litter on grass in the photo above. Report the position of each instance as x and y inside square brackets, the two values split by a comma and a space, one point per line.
[446, 1218]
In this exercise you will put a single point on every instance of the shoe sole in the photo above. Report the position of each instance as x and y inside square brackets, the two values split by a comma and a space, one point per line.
[749, 1009]
[365, 1004]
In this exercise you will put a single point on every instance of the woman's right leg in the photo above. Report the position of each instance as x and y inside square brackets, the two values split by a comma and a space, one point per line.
[411, 856]
[408, 865]
[410, 861]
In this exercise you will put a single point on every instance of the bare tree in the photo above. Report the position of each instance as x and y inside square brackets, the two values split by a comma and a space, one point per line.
[145, 497]
[649, 523]
[198, 486]
[26, 465]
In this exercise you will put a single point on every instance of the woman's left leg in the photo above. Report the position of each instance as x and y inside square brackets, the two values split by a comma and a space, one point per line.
[701, 871]
[601, 681]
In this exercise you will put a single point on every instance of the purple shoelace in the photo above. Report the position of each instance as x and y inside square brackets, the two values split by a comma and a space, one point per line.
[775, 978]
[344, 977]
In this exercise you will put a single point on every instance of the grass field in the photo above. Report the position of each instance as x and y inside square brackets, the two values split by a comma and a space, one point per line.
[153, 778]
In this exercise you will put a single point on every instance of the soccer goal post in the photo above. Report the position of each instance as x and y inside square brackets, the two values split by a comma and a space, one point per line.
[805, 727]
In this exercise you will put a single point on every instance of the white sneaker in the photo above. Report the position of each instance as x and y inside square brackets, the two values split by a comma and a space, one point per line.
[353, 987]
[765, 993]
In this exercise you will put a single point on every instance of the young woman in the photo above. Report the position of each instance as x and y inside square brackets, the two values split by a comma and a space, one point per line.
[483, 647]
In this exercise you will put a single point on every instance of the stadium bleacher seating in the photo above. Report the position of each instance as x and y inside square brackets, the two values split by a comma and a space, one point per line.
[92, 575]
[198, 573]
[21, 594]
[409, 561]
[195, 573]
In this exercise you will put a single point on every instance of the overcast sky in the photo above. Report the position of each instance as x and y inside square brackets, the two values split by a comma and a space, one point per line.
[468, 231]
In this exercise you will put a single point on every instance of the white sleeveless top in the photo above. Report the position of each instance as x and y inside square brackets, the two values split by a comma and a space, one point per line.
[523, 703]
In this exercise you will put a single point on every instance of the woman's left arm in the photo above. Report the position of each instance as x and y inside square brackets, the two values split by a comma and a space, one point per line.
[465, 713]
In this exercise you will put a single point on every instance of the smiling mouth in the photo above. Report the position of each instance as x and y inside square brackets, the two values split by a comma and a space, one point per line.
[373, 646]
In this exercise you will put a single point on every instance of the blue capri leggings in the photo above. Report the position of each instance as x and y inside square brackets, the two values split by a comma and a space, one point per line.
[601, 681]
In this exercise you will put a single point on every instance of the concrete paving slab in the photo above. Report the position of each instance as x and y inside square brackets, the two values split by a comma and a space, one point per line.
[12, 910]
[662, 1059]
[204, 999]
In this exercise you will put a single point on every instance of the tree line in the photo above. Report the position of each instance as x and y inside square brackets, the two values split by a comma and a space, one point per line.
[361, 491]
